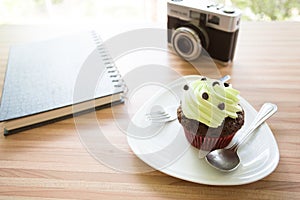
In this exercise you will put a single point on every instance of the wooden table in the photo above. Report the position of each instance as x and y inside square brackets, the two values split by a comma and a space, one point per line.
[51, 162]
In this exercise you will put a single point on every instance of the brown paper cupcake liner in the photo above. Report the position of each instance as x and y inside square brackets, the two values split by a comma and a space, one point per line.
[208, 143]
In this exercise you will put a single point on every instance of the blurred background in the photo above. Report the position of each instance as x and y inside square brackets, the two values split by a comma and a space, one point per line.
[107, 11]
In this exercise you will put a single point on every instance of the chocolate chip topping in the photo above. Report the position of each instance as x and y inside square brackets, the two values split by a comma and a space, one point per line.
[185, 87]
[221, 106]
[205, 96]
[215, 83]
[226, 84]
[203, 79]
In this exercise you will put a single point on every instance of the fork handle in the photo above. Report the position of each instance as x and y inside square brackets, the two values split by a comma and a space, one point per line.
[266, 111]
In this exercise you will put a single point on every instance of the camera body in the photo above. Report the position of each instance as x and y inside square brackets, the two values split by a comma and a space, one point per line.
[193, 25]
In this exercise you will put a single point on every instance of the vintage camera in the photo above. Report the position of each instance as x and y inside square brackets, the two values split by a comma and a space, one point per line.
[194, 25]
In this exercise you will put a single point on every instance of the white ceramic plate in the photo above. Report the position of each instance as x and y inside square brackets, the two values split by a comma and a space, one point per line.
[165, 148]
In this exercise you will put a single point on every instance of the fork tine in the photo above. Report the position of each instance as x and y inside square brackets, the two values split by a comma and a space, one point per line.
[158, 117]
[156, 114]
[158, 120]
[163, 115]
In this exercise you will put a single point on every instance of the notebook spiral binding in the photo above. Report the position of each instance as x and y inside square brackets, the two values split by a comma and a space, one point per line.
[110, 66]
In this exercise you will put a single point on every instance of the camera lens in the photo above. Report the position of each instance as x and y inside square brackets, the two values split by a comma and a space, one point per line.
[185, 45]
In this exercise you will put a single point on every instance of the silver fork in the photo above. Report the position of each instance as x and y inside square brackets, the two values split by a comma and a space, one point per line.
[159, 114]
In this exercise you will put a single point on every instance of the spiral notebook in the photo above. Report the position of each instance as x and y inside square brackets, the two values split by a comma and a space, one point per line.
[51, 80]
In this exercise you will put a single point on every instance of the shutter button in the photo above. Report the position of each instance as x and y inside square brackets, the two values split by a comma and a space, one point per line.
[228, 10]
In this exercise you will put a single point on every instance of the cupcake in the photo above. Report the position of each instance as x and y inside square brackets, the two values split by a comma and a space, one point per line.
[210, 113]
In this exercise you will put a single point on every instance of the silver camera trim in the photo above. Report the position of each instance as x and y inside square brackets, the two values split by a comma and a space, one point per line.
[229, 21]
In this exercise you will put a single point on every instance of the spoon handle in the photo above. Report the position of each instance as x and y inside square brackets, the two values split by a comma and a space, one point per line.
[225, 78]
[266, 111]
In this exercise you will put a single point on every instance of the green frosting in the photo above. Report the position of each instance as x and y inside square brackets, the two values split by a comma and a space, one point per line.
[210, 101]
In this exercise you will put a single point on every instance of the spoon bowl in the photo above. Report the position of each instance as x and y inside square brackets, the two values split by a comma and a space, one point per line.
[223, 159]
[227, 160]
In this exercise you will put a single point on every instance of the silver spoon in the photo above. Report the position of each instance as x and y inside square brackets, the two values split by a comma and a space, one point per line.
[227, 160]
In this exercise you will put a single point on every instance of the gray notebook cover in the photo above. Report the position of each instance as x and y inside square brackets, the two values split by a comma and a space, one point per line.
[41, 76]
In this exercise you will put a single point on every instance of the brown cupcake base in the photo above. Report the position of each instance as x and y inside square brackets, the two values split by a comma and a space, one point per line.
[218, 138]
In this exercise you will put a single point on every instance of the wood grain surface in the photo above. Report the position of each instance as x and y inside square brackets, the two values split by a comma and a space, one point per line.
[50, 162]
